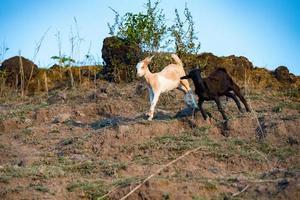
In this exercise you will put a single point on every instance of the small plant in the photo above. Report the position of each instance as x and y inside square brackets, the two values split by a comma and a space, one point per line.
[93, 190]
[126, 181]
[4, 179]
[210, 185]
[63, 60]
[40, 188]
[111, 168]
[198, 198]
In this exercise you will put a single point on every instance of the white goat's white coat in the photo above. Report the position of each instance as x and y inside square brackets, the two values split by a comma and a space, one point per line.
[166, 84]
[164, 81]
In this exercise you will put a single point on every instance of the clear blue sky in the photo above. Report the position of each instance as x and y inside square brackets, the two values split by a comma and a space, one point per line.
[265, 31]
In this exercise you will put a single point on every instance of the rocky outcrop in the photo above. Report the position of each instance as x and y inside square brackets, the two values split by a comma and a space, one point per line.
[237, 67]
[282, 74]
[13, 68]
[120, 57]
[246, 75]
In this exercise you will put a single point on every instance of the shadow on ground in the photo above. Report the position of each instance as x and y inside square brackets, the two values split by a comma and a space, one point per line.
[161, 115]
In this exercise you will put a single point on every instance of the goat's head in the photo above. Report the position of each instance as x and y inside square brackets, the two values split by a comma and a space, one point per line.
[142, 66]
[194, 74]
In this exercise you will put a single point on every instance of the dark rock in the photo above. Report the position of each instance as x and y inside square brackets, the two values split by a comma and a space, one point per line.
[120, 57]
[282, 74]
[292, 141]
[282, 185]
[12, 67]
[21, 163]
[214, 170]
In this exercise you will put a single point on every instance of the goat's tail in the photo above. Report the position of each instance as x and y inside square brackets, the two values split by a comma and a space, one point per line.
[177, 59]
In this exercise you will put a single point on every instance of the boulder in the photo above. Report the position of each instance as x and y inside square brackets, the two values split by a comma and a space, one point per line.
[120, 57]
[12, 68]
[282, 74]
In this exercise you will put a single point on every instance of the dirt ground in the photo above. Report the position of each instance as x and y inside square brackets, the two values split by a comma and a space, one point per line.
[95, 143]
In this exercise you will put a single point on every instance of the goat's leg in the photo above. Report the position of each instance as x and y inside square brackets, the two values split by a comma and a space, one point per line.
[217, 100]
[203, 112]
[189, 97]
[237, 91]
[153, 104]
[185, 84]
[151, 94]
[237, 102]
[182, 88]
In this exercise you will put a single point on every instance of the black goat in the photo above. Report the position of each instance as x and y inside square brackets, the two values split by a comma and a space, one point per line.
[217, 84]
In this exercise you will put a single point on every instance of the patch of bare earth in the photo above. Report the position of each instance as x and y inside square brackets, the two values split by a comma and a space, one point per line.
[93, 143]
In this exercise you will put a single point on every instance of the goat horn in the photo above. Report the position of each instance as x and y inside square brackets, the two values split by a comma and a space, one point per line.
[151, 57]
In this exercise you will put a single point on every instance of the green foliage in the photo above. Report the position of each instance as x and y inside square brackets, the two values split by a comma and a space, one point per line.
[63, 60]
[39, 187]
[93, 189]
[111, 168]
[146, 29]
[149, 29]
[183, 33]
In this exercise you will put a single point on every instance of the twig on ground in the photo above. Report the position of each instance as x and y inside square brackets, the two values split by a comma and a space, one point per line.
[159, 170]
[240, 192]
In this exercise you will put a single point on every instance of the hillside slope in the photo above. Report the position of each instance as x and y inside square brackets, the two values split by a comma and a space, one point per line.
[85, 143]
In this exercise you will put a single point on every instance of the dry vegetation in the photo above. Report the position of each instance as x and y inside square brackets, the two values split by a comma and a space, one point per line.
[86, 142]
[65, 133]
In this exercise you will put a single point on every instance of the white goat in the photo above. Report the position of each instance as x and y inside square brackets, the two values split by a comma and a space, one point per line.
[165, 80]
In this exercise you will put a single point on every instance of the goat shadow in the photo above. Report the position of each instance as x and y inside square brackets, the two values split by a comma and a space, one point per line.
[159, 116]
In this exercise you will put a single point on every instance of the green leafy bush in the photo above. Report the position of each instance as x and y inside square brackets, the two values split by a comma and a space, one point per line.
[149, 30]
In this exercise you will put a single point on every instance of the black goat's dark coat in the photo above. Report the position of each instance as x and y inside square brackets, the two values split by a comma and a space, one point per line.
[217, 84]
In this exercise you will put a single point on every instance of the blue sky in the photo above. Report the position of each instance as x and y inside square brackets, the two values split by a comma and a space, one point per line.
[265, 31]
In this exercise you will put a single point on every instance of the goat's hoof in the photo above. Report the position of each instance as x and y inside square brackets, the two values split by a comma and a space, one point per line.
[225, 124]
[149, 113]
